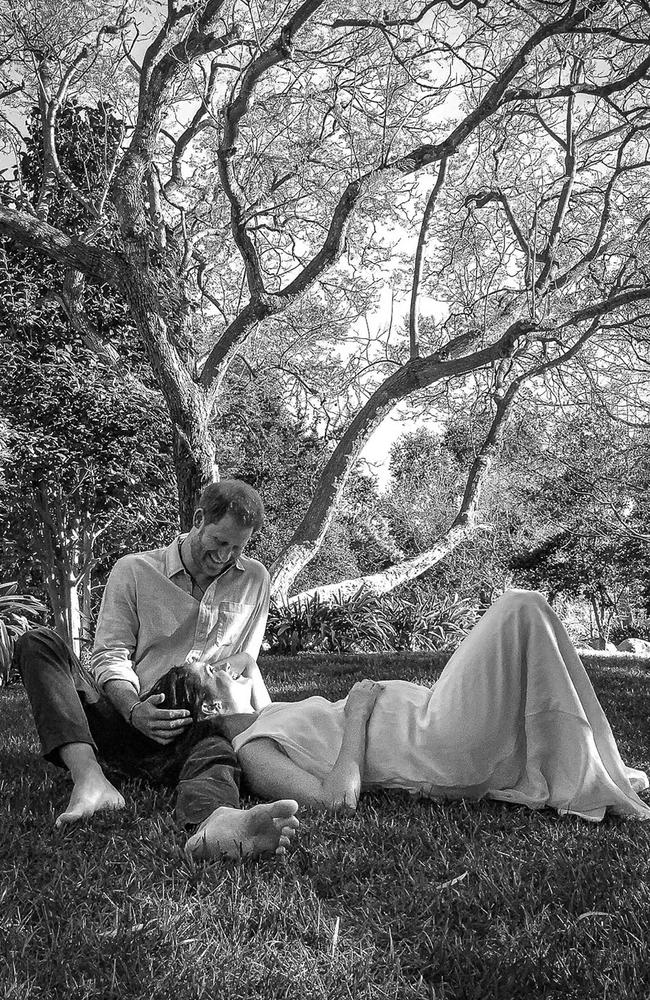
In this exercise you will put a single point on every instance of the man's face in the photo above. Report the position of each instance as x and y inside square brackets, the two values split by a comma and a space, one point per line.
[217, 545]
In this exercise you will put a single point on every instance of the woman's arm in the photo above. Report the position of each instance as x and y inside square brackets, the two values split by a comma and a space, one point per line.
[342, 786]
[271, 774]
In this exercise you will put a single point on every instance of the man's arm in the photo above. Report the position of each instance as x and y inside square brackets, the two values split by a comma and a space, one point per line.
[112, 660]
[117, 629]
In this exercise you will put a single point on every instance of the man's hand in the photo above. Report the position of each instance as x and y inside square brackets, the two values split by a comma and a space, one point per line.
[163, 725]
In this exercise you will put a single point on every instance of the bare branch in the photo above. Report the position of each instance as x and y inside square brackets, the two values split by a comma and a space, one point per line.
[419, 259]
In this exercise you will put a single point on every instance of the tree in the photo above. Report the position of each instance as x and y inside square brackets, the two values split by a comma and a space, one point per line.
[87, 476]
[589, 533]
[86, 473]
[265, 159]
[262, 442]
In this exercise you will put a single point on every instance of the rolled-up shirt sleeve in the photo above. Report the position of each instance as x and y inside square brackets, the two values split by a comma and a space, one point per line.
[116, 635]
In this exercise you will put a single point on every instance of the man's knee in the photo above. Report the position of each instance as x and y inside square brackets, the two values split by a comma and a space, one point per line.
[213, 752]
[33, 645]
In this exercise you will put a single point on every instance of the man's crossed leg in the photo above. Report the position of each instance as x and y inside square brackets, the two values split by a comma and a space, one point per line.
[77, 725]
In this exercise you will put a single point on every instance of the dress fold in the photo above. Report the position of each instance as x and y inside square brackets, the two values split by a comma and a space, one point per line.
[513, 717]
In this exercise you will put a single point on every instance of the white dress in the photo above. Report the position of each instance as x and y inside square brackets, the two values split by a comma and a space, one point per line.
[512, 717]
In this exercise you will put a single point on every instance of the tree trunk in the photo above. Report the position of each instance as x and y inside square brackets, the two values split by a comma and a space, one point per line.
[164, 320]
[597, 619]
[71, 620]
[85, 583]
[195, 468]
[394, 576]
[463, 526]
[61, 586]
[418, 373]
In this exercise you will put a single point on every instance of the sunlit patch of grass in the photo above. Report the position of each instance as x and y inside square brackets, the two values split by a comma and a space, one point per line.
[407, 899]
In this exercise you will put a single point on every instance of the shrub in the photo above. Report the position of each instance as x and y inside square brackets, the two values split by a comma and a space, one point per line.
[14, 611]
[368, 623]
[637, 628]
[335, 626]
[421, 623]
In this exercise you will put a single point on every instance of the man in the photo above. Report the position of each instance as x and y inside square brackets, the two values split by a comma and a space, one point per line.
[198, 598]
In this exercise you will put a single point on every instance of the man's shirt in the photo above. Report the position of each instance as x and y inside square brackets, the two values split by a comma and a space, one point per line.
[149, 621]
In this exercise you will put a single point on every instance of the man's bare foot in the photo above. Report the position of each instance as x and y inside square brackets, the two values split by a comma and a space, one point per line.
[90, 794]
[245, 832]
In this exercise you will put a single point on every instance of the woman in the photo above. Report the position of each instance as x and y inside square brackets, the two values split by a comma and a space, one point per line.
[512, 717]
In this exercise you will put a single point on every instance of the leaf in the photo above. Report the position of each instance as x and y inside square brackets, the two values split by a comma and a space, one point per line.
[452, 881]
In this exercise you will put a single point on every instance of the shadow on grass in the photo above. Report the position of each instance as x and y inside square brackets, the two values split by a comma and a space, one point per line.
[407, 899]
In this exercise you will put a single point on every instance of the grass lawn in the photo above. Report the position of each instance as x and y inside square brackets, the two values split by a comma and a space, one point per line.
[479, 901]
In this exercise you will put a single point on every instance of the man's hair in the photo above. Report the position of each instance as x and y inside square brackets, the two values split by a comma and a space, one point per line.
[232, 496]
[181, 688]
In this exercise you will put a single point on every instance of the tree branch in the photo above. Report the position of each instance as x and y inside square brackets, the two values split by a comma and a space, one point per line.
[94, 262]
[414, 334]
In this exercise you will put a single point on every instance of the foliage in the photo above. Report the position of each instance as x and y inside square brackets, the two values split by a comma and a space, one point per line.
[367, 623]
[359, 539]
[260, 441]
[88, 139]
[565, 510]
[408, 899]
[89, 474]
[590, 534]
[88, 459]
[308, 624]
[422, 623]
[428, 472]
[15, 611]
[273, 174]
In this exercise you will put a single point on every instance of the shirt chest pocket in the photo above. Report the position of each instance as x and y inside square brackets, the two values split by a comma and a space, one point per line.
[233, 619]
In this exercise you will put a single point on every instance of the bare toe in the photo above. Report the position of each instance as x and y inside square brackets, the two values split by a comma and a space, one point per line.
[264, 829]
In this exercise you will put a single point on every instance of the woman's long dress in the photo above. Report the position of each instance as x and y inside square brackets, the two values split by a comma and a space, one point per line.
[513, 717]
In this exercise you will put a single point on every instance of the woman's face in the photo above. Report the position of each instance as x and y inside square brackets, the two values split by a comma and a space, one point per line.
[224, 694]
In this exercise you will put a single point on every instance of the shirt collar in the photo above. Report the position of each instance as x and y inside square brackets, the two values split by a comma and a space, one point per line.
[174, 564]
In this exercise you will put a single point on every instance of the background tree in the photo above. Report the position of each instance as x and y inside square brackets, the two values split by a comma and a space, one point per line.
[588, 534]
[89, 474]
[269, 165]
[263, 443]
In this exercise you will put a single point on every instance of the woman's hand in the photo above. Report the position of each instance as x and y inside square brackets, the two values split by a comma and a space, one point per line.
[163, 725]
[342, 786]
[362, 698]
[236, 665]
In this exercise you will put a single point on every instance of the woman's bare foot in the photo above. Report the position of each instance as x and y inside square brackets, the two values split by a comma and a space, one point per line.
[245, 832]
[90, 794]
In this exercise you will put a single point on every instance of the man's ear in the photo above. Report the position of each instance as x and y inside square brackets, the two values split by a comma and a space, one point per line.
[198, 518]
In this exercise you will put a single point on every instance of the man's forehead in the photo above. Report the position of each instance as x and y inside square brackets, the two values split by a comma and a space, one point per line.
[227, 525]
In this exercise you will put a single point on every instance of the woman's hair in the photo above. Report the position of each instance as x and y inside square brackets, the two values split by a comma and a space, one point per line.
[232, 496]
[181, 688]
